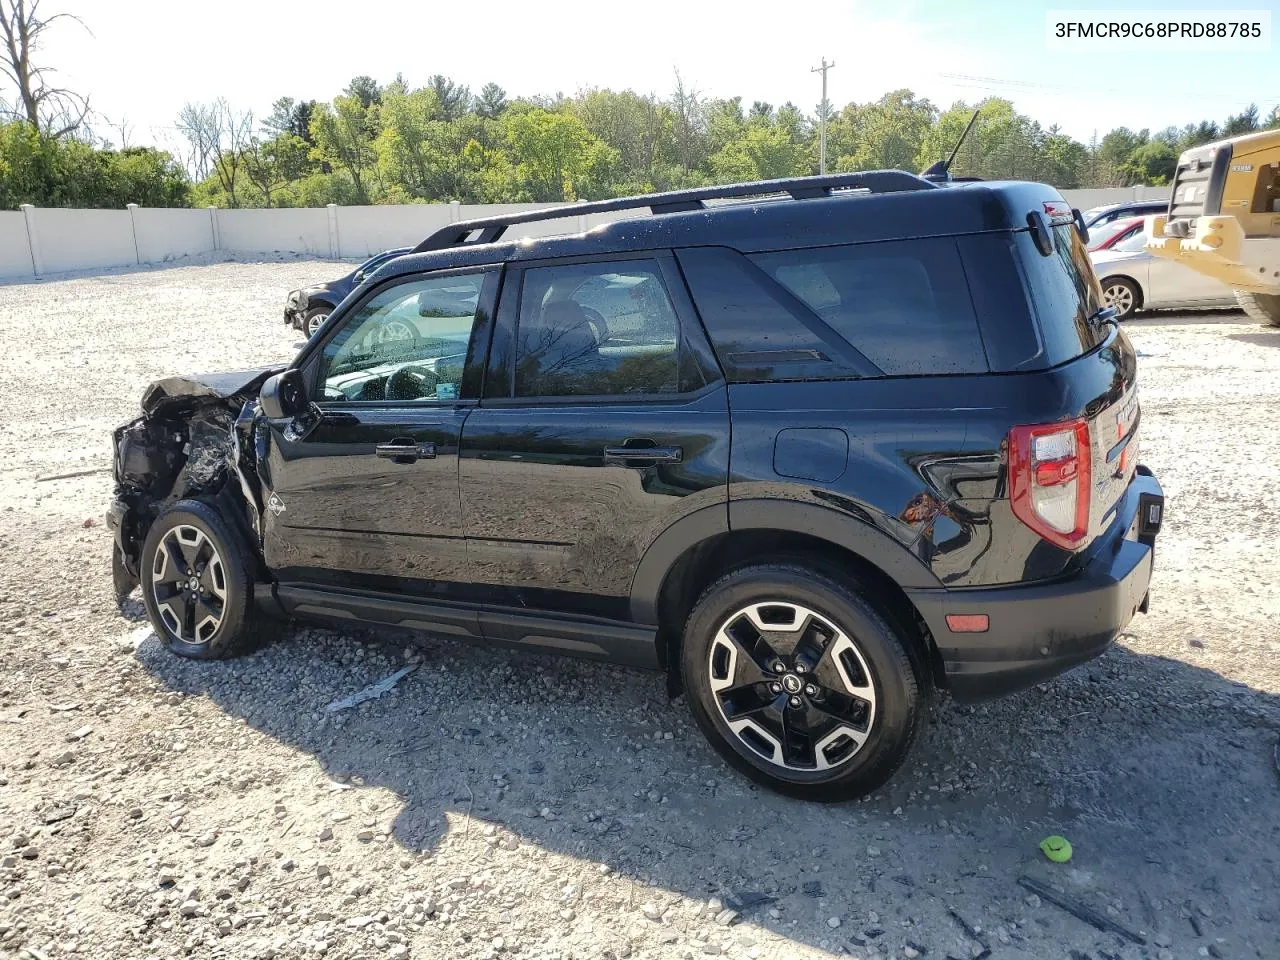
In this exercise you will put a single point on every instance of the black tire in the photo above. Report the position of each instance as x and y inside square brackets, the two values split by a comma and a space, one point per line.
[1263, 307]
[1124, 294]
[900, 691]
[315, 316]
[167, 602]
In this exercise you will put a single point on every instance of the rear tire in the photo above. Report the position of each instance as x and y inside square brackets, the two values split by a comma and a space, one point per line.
[197, 583]
[1123, 294]
[1263, 307]
[800, 683]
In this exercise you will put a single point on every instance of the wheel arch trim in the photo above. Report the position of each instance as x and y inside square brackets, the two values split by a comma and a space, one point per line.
[892, 558]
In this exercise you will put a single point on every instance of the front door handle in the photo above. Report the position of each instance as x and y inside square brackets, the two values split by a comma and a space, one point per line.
[642, 453]
[403, 450]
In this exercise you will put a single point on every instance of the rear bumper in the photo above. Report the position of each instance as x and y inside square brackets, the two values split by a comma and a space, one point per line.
[1038, 631]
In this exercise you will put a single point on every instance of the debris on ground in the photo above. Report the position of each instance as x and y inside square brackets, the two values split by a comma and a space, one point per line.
[373, 691]
[1081, 910]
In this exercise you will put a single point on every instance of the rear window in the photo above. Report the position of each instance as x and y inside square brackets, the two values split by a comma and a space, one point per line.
[1064, 292]
[904, 304]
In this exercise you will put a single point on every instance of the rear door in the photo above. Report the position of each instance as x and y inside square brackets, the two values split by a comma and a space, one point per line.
[604, 421]
[369, 497]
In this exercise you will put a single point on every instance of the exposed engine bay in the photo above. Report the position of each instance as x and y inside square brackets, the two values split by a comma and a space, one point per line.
[195, 438]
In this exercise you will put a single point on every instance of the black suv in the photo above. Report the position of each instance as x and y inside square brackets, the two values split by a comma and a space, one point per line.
[308, 308]
[817, 447]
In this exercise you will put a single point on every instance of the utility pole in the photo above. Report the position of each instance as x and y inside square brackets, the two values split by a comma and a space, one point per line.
[823, 109]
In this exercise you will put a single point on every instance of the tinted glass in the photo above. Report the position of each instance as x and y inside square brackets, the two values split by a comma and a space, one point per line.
[1064, 293]
[904, 304]
[593, 329]
[1135, 242]
[757, 336]
[407, 343]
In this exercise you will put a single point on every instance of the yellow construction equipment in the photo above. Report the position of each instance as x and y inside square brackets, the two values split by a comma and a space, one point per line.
[1224, 219]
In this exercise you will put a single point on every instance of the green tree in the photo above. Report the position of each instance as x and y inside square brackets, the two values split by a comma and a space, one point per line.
[454, 99]
[1246, 121]
[557, 158]
[365, 89]
[885, 135]
[1152, 163]
[763, 152]
[640, 128]
[492, 101]
[343, 135]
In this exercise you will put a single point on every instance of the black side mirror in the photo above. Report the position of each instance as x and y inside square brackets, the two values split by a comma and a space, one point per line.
[284, 396]
[1081, 229]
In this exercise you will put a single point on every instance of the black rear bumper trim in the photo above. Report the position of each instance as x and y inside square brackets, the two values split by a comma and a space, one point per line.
[1040, 630]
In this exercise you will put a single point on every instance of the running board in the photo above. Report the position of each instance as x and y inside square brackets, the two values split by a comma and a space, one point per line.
[594, 638]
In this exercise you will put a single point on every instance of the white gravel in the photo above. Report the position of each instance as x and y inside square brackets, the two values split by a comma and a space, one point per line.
[498, 804]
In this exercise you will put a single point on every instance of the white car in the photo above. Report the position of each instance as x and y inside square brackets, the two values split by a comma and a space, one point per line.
[1132, 279]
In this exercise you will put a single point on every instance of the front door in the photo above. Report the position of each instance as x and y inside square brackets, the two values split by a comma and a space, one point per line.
[604, 420]
[368, 498]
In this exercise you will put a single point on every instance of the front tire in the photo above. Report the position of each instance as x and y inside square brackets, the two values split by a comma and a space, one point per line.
[313, 318]
[800, 683]
[1263, 307]
[197, 583]
[1123, 294]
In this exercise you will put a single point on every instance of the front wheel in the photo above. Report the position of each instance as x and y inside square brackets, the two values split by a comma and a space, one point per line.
[197, 577]
[314, 318]
[800, 683]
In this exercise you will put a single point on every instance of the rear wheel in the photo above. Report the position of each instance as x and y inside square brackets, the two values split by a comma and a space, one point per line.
[800, 683]
[1122, 294]
[1263, 307]
[197, 583]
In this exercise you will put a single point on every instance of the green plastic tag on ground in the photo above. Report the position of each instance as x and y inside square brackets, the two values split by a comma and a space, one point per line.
[1057, 849]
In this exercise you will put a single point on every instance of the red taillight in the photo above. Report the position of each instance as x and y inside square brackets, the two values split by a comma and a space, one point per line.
[1049, 480]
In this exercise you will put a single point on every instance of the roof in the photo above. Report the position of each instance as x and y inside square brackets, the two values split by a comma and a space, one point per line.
[841, 217]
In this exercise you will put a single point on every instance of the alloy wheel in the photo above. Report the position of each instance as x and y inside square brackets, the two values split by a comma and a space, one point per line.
[314, 323]
[792, 686]
[189, 585]
[1119, 296]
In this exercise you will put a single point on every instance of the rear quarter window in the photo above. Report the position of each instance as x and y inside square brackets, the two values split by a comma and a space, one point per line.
[1064, 293]
[905, 304]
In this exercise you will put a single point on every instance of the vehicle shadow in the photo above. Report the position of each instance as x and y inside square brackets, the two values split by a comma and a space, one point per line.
[1264, 338]
[1159, 772]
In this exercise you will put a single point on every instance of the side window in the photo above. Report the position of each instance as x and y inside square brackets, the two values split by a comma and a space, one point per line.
[590, 329]
[756, 336]
[1134, 242]
[904, 304]
[407, 343]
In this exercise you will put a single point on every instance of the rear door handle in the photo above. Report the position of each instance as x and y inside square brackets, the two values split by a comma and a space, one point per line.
[633, 454]
[406, 451]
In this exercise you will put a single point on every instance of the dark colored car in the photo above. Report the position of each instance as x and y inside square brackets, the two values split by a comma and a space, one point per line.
[1099, 216]
[817, 456]
[306, 309]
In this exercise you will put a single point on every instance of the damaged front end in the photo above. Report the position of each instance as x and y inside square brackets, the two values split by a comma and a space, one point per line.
[193, 440]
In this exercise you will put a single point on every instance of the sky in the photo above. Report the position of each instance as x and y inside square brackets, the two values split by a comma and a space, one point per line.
[141, 60]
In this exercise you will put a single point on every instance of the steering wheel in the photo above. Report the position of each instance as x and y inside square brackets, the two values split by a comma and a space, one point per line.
[599, 326]
[411, 383]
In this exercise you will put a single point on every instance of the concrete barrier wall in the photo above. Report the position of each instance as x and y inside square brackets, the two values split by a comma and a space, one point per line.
[167, 234]
[15, 250]
[302, 230]
[364, 231]
[57, 240]
[82, 239]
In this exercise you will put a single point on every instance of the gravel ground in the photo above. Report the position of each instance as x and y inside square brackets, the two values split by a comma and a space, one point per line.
[497, 804]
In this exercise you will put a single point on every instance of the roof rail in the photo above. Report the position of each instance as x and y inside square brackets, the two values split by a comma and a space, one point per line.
[491, 229]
